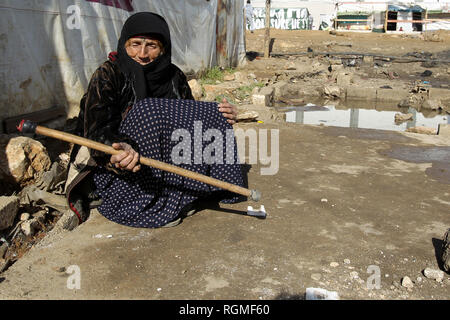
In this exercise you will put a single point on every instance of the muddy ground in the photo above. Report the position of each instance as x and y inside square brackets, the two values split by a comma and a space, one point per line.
[344, 202]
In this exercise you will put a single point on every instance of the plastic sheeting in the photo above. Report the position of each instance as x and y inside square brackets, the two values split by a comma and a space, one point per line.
[50, 48]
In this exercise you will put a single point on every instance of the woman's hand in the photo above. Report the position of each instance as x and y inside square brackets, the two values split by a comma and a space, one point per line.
[126, 160]
[228, 110]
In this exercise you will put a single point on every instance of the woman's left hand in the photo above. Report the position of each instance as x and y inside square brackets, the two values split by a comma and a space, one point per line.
[229, 111]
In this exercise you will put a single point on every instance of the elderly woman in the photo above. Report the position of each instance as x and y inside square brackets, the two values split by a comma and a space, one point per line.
[140, 69]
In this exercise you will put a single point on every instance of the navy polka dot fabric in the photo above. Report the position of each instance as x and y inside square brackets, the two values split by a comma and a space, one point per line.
[190, 134]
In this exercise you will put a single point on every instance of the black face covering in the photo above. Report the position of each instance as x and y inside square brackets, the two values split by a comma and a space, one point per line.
[154, 79]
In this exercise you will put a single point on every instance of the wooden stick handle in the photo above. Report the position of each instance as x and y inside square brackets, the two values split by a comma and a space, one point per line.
[60, 135]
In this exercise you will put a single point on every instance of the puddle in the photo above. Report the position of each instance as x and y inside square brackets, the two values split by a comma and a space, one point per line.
[379, 118]
[439, 157]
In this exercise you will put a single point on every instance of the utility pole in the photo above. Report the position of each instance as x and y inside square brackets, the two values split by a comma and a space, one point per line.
[267, 34]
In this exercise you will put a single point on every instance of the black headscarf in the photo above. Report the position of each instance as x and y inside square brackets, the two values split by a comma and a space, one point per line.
[153, 79]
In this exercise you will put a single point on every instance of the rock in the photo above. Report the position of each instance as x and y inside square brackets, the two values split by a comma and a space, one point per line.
[8, 211]
[196, 88]
[247, 115]
[23, 160]
[320, 294]
[346, 261]
[399, 117]
[434, 274]
[332, 91]
[354, 275]
[446, 251]
[431, 104]
[422, 130]
[407, 283]
[334, 264]
[419, 280]
[24, 216]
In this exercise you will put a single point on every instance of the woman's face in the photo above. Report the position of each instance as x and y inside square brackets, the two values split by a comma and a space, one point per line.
[143, 49]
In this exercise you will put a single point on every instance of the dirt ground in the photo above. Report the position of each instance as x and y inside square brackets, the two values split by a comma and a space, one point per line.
[347, 208]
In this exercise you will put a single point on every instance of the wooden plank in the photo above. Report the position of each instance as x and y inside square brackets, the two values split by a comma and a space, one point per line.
[10, 124]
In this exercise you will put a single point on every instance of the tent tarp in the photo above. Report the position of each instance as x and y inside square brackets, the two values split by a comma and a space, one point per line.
[50, 48]
[394, 7]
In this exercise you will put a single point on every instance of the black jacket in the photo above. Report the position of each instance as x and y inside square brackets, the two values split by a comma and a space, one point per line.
[109, 97]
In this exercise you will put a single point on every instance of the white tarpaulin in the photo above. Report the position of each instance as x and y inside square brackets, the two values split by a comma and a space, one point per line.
[50, 48]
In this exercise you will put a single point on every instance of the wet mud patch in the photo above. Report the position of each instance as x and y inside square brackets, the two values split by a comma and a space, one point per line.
[367, 134]
[439, 157]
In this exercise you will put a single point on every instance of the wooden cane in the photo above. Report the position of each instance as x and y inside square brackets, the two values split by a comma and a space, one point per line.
[27, 126]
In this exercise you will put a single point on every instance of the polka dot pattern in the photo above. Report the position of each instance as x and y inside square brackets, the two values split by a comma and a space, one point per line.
[151, 197]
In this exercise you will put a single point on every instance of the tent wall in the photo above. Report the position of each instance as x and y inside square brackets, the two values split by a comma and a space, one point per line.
[50, 48]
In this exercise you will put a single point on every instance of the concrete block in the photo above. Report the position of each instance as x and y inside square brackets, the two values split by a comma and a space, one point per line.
[361, 93]
[392, 95]
[444, 130]
[438, 93]
[9, 206]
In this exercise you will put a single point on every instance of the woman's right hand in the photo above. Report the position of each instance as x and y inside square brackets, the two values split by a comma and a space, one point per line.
[126, 160]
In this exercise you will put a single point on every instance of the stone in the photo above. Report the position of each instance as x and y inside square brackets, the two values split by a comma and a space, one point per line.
[400, 117]
[24, 216]
[9, 206]
[247, 115]
[196, 88]
[23, 160]
[434, 274]
[422, 130]
[446, 251]
[346, 261]
[334, 264]
[407, 283]
[354, 275]
[263, 97]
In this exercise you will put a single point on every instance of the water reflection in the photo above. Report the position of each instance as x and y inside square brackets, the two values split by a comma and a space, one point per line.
[360, 118]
